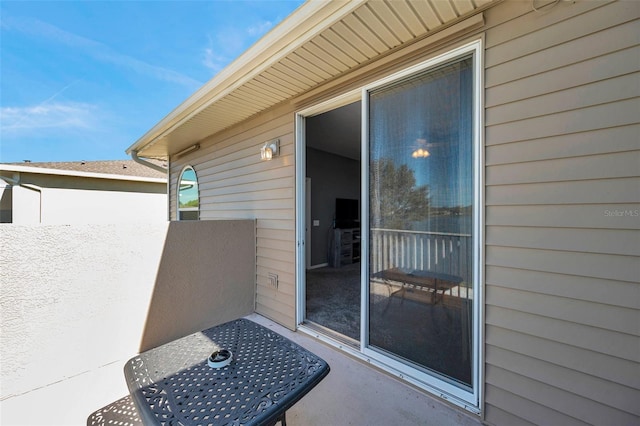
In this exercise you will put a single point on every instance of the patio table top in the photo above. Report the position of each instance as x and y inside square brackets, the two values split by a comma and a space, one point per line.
[174, 384]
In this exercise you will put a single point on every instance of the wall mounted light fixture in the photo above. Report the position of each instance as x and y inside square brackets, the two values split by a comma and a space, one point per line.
[187, 150]
[270, 150]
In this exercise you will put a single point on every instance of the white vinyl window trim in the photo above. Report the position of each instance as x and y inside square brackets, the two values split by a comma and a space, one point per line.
[193, 210]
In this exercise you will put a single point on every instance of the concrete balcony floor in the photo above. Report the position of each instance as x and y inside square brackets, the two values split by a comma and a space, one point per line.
[353, 393]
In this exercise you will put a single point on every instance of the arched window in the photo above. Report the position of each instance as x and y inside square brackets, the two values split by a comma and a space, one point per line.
[188, 197]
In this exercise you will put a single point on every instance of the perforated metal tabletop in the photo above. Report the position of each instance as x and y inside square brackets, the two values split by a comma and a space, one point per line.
[174, 385]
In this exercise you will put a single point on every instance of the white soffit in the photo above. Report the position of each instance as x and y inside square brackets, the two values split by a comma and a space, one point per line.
[319, 42]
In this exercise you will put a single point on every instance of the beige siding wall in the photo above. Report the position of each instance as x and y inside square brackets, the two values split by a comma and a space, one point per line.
[562, 160]
[235, 184]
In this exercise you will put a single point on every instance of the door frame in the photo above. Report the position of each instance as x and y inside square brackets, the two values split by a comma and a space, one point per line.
[444, 388]
[470, 400]
[301, 196]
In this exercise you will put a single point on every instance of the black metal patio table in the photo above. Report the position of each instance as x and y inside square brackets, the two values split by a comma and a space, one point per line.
[174, 384]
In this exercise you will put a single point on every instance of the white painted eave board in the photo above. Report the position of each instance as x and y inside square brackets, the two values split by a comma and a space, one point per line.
[58, 172]
[305, 22]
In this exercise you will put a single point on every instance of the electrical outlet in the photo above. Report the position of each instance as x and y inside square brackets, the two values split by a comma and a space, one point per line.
[316, 222]
[273, 279]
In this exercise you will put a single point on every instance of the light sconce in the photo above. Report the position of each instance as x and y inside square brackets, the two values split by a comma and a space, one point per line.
[187, 150]
[270, 149]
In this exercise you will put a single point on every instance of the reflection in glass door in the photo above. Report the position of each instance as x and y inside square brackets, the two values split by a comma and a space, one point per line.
[421, 210]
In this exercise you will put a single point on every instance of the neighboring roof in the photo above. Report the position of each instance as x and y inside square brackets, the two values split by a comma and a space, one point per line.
[110, 169]
[317, 43]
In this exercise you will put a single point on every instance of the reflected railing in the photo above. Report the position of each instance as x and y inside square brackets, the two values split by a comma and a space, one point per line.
[436, 252]
[434, 270]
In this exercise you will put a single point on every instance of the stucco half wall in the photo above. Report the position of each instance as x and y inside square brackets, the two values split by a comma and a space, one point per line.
[78, 297]
[206, 276]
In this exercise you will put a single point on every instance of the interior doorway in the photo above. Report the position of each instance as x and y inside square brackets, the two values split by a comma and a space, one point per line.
[333, 168]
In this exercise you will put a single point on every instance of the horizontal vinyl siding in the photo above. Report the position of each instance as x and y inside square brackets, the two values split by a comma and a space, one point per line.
[234, 183]
[562, 298]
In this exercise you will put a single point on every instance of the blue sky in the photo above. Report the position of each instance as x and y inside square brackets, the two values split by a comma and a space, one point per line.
[83, 80]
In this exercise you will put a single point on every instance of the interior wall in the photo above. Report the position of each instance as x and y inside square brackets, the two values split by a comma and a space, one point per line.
[332, 176]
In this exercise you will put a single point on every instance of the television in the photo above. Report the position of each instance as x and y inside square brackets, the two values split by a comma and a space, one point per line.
[347, 215]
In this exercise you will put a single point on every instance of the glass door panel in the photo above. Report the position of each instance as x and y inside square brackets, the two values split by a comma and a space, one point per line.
[421, 203]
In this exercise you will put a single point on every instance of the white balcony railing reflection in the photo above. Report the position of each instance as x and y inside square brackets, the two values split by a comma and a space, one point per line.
[437, 252]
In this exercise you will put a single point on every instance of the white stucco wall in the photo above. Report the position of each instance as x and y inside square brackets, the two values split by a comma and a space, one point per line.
[70, 206]
[77, 297]
[65, 206]
[26, 205]
[72, 298]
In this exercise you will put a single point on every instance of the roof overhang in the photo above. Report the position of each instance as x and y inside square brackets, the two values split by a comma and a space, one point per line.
[317, 43]
[5, 169]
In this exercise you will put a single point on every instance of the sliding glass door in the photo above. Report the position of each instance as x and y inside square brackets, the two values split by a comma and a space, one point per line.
[421, 215]
[422, 221]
